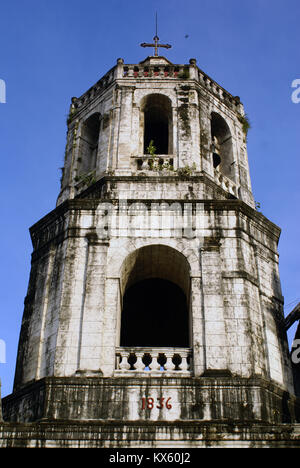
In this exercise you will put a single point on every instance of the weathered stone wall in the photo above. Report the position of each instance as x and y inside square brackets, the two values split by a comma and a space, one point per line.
[119, 101]
[237, 318]
[168, 435]
[212, 398]
[133, 216]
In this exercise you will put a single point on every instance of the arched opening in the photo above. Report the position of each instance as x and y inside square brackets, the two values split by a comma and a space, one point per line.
[155, 284]
[157, 123]
[222, 151]
[89, 138]
[155, 314]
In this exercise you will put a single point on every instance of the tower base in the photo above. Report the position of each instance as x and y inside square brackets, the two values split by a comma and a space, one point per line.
[220, 410]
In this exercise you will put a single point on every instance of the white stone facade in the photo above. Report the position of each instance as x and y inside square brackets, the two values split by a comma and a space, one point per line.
[190, 102]
[233, 293]
[125, 216]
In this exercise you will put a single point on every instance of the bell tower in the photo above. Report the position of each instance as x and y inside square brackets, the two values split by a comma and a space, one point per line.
[154, 306]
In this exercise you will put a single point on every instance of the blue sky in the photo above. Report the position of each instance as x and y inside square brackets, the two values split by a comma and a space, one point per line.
[53, 50]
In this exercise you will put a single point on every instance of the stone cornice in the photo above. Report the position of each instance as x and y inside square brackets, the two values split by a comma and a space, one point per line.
[55, 225]
[95, 190]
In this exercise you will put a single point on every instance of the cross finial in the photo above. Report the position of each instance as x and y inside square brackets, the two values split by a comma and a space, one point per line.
[156, 45]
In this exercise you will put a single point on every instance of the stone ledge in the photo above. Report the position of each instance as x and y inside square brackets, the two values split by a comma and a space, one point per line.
[117, 434]
[54, 226]
[208, 398]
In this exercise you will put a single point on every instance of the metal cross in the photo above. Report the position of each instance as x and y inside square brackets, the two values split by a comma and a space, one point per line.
[156, 45]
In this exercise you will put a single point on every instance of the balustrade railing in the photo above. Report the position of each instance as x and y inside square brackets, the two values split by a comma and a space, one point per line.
[160, 361]
[153, 71]
[226, 183]
[184, 72]
[153, 163]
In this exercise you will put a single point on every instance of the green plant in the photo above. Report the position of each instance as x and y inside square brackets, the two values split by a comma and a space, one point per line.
[153, 161]
[246, 125]
[86, 179]
[71, 115]
[151, 148]
[185, 120]
[167, 166]
[186, 170]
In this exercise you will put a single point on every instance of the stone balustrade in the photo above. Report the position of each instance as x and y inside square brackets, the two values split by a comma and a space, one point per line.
[159, 361]
[153, 163]
[182, 72]
[94, 91]
[159, 71]
[226, 183]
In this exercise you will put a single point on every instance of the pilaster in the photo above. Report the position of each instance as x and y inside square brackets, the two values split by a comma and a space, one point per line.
[93, 307]
[215, 333]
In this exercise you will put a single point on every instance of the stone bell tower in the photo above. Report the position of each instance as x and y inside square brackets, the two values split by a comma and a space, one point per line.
[154, 306]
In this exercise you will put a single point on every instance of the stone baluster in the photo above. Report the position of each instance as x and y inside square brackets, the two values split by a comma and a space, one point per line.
[154, 365]
[145, 165]
[124, 365]
[139, 365]
[124, 354]
[184, 363]
[193, 69]
[169, 365]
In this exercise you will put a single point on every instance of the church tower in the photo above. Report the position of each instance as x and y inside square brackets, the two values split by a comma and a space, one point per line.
[154, 308]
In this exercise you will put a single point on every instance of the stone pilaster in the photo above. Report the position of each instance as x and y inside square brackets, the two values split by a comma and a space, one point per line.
[93, 306]
[110, 325]
[215, 333]
[198, 326]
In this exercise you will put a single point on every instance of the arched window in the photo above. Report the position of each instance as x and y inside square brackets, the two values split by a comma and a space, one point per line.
[222, 146]
[154, 314]
[157, 123]
[155, 308]
[89, 138]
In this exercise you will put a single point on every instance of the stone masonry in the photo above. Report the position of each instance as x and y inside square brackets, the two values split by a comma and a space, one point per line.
[182, 214]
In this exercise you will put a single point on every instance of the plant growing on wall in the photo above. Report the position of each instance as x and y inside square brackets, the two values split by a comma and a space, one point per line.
[257, 205]
[71, 115]
[183, 111]
[186, 170]
[246, 125]
[86, 179]
[151, 148]
[167, 166]
[153, 162]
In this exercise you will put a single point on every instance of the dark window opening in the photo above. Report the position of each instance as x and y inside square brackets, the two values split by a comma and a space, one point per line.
[216, 158]
[89, 144]
[156, 130]
[222, 151]
[157, 124]
[155, 314]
